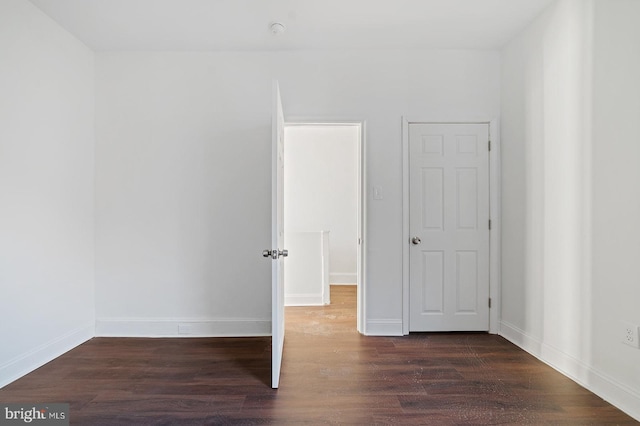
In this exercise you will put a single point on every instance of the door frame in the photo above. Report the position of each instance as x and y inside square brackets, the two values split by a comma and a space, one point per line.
[361, 204]
[494, 214]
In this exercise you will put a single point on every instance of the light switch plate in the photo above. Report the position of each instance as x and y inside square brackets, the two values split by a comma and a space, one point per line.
[377, 193]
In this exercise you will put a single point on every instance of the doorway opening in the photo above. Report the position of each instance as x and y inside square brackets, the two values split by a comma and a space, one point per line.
[323, 213]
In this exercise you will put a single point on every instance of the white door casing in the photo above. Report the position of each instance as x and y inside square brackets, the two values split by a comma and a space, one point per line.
[449, 217]
[277, 237]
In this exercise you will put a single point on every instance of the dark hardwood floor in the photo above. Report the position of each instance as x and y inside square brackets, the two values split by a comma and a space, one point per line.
[330, 375]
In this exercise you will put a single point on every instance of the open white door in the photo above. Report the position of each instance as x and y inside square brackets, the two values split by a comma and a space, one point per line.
[277, 253]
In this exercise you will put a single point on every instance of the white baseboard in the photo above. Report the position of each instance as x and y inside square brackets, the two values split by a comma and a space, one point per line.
[304, 300]
[384, 327]
[219, 327]
[343, 278]
[603, 385]
[42, 354]
[520, 338]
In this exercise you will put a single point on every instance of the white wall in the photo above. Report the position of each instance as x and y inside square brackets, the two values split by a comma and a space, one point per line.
[46, 190]
[183, 194]
[616, 195]
[183, 172]
[556, 224]
[320, 191]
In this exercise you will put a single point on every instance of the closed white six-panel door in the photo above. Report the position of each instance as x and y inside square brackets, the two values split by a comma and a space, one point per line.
[449, 227]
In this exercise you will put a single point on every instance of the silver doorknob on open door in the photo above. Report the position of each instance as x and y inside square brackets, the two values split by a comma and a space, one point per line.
[416, 241]
[275, 253]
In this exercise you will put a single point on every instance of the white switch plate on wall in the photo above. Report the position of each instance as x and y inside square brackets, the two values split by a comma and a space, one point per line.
[377, 193]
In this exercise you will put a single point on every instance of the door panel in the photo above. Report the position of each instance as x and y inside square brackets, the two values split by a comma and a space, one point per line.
[466, 282]
[277, 237]
[432, 198]
[433, 282]
[449, 214]
[467, 199]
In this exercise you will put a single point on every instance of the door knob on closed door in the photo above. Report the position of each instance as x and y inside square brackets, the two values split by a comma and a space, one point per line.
[416, 241]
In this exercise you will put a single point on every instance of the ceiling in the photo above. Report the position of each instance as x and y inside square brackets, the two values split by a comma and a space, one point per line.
[110, 25]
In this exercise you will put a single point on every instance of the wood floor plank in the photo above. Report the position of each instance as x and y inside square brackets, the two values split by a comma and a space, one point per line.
[330, 375]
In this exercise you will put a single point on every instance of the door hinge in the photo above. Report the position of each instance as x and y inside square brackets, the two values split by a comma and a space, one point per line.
[489, 145]
[489, 303]
[489, 224]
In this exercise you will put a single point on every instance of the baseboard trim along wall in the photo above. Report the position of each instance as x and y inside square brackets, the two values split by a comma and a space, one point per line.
[606, 387]
[519, 338]
[39, 356]
[384, 327]
[219, 327]
[343, 278]
[303, 300]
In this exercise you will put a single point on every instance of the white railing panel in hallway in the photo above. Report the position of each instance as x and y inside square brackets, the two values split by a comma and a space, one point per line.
[306, 272]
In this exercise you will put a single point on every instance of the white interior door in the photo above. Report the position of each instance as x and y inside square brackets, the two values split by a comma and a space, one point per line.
[277, 251]
[449, 227]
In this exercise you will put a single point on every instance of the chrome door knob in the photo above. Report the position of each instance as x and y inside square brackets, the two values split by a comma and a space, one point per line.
[416, 241]
[275, 253]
